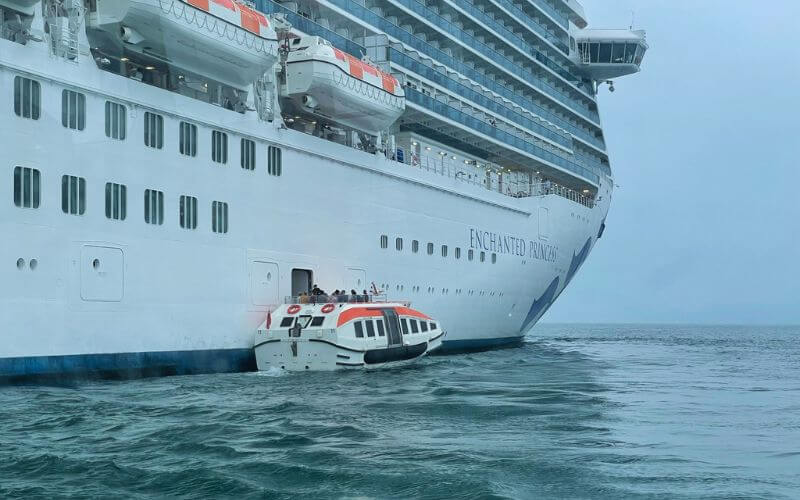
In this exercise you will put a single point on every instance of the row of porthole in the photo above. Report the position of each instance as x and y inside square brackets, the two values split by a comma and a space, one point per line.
[33, 264]
[445, 291]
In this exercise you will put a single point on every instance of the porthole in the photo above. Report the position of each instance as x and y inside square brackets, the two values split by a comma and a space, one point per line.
[269, 276]
[33, 264]
[96, 264]
[20, 263]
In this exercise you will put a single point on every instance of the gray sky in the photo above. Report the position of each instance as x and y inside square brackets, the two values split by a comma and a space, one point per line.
[705, 148]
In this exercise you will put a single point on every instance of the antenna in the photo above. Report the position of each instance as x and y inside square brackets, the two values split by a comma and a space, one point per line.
[633, 19]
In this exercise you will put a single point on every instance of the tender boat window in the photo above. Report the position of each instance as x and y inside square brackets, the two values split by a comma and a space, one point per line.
[219, 147]
[188, 139]
[153, 130]
[370, 328]
[359, 330]
[287, 321]
[384, 241]
[423, 326]
[404, 326]
[304, 320]
[219, 217]
[116, 121]
[153, 207]
[27, 98]
[433, 326]
[414, 327]
[73, 195]
[116, 201]
[415, 246]
[381, 331]
[248, 154]
[27, 186]
[73, 110]
[318, 320]
[188, 212]
[274, 161]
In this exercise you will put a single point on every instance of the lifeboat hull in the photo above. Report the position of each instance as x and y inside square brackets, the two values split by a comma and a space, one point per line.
[187, 37]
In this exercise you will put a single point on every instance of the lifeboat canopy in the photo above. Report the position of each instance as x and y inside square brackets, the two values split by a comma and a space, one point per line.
[323, 81]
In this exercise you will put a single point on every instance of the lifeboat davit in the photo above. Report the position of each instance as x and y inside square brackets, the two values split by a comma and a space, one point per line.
[224, 40]
[340, 336]
[24, 6]
[327, 82]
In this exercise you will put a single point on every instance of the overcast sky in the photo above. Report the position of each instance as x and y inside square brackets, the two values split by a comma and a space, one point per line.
[705, 148]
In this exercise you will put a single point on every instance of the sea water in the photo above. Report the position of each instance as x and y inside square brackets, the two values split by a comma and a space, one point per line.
[575, 412]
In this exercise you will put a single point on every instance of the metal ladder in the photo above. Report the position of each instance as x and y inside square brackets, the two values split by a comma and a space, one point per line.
[65, 18]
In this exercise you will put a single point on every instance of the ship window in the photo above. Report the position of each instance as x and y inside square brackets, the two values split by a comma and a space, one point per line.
[248, 154]
[219, 146]
[444, 250]
[384, 241]
[359, 330]
[594, 51]
[398, 243]
[188, 139]
[73, 110]
[153, 130]
[317, 321]
[483, 256]
[471, 254]
[287, 321]
[370, 328]
[274, 161]
[116, 201]
[605, 53]
[153, 207]
[116, 121]
[458, 253]
[430, 248]
[188, 212]
[415, 246]
[494, 258]
[414, 327]
[423, 325]
[27, 97]
[73, 195]
[27, 186]
[618, 53]
[404, 325]
[433, 326]
[381, 331]
[219, 217]
[630, 52]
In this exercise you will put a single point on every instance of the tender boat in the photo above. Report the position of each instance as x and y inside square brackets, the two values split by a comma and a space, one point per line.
[350, 333]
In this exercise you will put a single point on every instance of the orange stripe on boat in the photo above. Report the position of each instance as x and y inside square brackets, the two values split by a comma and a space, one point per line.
[200, 4]
[407, 311]
[250, 21]
[388, 82]
[356, 70]
[358, 312]
[339, 55]
[228, 4]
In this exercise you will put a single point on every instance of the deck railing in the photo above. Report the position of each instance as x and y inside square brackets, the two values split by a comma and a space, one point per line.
[369, 298]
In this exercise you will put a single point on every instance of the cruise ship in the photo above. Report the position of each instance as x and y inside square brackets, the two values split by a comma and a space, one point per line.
[177, 169]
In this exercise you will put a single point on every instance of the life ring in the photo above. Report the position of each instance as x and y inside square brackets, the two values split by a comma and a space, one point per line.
[328, 308]
[293, 309]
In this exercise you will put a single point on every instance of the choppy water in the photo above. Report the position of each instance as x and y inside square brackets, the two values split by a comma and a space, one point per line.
[577, 412]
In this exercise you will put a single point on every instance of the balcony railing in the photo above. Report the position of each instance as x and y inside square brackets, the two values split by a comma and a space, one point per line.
[532, 24]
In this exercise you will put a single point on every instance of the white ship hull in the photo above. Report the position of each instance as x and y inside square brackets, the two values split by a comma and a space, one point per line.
[164, 299]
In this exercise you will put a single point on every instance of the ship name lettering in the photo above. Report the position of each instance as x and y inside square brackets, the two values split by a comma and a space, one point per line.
[512, 245]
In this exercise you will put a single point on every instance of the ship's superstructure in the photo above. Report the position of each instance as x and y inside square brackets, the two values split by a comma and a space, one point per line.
[175, 168]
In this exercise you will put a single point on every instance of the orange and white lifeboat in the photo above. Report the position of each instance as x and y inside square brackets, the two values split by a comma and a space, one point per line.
[224, 40]
[337, 336]
[324, 81]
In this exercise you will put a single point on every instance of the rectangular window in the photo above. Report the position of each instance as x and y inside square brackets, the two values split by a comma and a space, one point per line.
[458, 253]
[370, 328]
[398, 244]
[248, 154]
[423, 325]
[404, 326]
[153, 130]
[188, 212]
[471, 254]
[188, 139]
[494, 258]
[415, 246]
[359, 330]
[153, 207]
[483, 256]
[384, 241]
[73, 110]
[430, 248]
[116, 121]
[27, 186]
[73, 195]
[27, 98]
[274, 161]
[219, 217]
[219, 146]
[444, 250]
[287, 321]
[116, 201]
[318, 320]
[433, 326]
[381, 331]
[414, 328]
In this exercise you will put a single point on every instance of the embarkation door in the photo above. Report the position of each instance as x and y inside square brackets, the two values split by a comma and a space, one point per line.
[392, 327]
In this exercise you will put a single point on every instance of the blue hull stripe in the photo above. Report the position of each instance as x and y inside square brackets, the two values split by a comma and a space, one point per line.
[149, 364]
